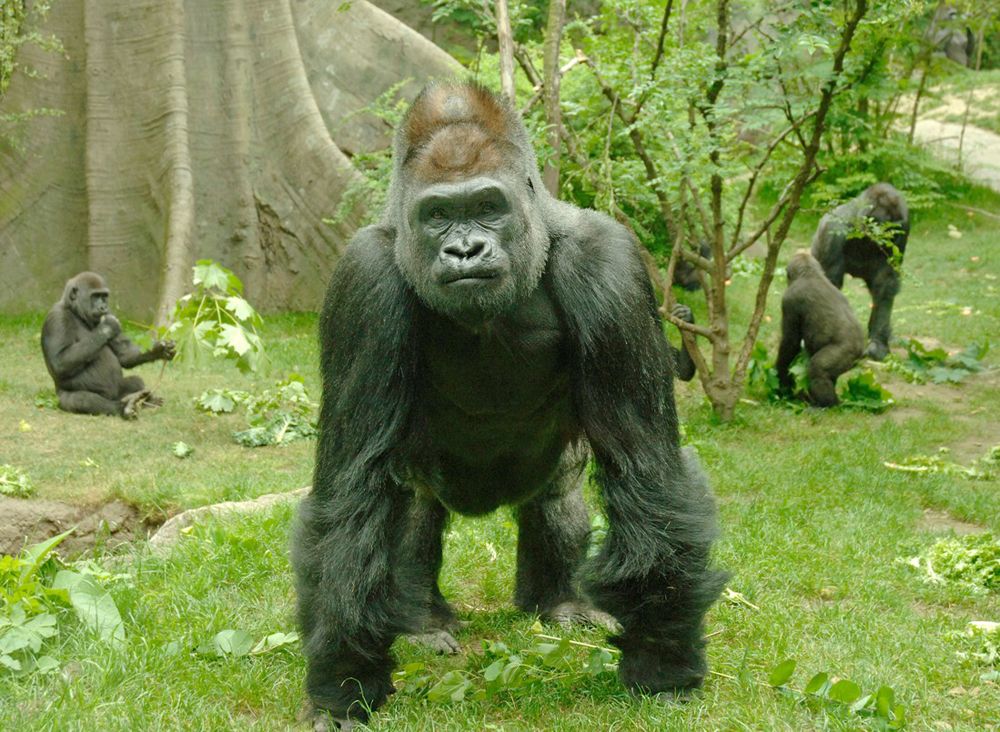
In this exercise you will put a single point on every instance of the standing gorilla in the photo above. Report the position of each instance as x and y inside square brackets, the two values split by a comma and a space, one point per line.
[473, 347]
[814, 311]
[841, 246]
[85, 351]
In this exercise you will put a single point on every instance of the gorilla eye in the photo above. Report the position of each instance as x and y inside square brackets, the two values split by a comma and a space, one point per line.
[487, 207]
[438, 214]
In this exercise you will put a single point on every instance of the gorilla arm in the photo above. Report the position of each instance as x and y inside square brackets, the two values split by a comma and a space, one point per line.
[70, 346]
[652, 572]
[791, 338]
[130, 355]
[354, 597]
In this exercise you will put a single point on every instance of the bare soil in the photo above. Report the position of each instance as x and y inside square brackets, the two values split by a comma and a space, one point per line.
[26, 521]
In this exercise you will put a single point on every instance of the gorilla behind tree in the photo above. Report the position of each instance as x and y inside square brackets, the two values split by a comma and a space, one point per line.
[841, 246]
[475, 347]
[85, 352]
[815, 312]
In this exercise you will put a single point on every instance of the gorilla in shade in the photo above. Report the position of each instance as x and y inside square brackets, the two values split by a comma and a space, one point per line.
[841, 246]
[953, 37]
[477, 347]
[85, 352]
[684, 368]
[817, 313]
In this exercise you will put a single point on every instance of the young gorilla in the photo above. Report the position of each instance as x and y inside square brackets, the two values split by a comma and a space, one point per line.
[814, 311]
[839, 249]
[85, 351]
[474, 347]
[684, 368]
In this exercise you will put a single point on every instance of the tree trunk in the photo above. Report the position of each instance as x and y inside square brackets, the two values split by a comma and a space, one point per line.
[550, 75]
[505, 40]
[197, 130]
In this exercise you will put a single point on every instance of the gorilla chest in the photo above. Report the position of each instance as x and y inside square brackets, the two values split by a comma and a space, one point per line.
[512, 368]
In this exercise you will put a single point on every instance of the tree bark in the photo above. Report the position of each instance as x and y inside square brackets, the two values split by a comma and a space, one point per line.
[505, 40]
[551, 77]
[197, 130]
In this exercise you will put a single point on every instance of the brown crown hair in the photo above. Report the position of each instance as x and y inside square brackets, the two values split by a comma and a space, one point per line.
[456, 131]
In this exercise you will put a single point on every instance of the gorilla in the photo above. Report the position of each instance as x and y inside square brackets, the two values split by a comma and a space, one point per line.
[814, 311]
[686, 274]
[840, 245]
[477, 347]
[953, 37]
[85, 352]
[684, 368]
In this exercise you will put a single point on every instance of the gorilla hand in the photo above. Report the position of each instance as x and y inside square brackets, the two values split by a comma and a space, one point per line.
[164, 350]
[109, 326]
[683, 312]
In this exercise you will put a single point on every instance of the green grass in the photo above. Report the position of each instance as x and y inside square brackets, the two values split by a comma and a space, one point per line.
[812, 522]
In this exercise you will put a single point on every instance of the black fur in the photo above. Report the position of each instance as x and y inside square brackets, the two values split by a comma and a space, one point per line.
[815, 312]
[85, 351]
[840, 249]
[437, 398]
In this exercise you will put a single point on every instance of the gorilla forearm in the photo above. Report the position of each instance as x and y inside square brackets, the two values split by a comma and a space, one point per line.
[68, 351]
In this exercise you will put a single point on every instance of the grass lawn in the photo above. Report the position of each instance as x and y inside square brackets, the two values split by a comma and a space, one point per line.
[813, 525]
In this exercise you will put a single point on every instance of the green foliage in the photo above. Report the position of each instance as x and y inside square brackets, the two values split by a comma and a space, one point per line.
[47, 399]
[548, 661]
[762, 377]
[862, 392]
[231, 643]
[181, 449]
[979, 645]
[279, 415]
[936, 365]
[215, 320]
[985, 468]
[35, 588]
[971, 561]
[220, 401]
[824, 691]
[15, 482]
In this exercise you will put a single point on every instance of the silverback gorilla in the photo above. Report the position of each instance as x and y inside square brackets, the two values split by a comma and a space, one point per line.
[474, 347]
[814, 311]
[85, 351]
[841, 246]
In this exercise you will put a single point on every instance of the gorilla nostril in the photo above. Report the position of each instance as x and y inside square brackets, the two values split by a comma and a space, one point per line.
[466, 250]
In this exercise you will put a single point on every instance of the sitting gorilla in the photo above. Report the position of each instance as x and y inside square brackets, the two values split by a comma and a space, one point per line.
[686, 274]
[85, 351]
[841, 246]
[814, 311]
[476, 347]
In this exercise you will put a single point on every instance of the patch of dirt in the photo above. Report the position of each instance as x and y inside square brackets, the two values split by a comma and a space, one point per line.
[27, 521]
[937, 521]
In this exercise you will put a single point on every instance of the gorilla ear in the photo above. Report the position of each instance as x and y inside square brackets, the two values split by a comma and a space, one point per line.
[72, 293]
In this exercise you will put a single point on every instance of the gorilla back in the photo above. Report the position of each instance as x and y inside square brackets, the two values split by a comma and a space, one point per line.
[476, 346]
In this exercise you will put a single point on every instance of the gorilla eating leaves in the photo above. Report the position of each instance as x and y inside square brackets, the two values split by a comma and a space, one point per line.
[816, 314]
[476, 347]
[841, 246]
[85, 352]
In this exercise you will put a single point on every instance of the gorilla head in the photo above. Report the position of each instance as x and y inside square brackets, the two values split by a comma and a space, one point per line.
[87, 296]
[471, 238]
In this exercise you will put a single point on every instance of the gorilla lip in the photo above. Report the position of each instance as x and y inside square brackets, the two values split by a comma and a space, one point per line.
[452, 278]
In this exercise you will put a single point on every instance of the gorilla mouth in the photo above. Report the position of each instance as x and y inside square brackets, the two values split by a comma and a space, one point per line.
[452, 278]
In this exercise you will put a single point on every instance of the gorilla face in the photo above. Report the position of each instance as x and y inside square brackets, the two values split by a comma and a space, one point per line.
[87, 296]
[472, 250]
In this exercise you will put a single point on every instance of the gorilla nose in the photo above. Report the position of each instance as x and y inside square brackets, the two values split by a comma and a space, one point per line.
[465, 251]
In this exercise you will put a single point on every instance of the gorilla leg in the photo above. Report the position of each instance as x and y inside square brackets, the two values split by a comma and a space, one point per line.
[883, 286]
[87, 402]
[551, 543]
[428, 519]
[357, 592]
[824, 367]
[130, 385]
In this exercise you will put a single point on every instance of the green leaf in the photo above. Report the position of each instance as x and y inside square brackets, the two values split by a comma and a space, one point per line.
[492, 672]
[781, 673]
[818, 684]
[885, 699]
[240, 308]
[275, 640]
[451, 688]
[845, 692]
[94, 606]
[35, 555]
[232, 643]
[210, 275]
[233, 337]
[181, 449]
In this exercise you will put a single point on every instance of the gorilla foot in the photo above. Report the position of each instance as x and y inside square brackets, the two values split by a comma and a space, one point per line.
[578, 612]
[438, 640]
[152, 400]
[132, 402]
[876, 351]
[663, 671]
